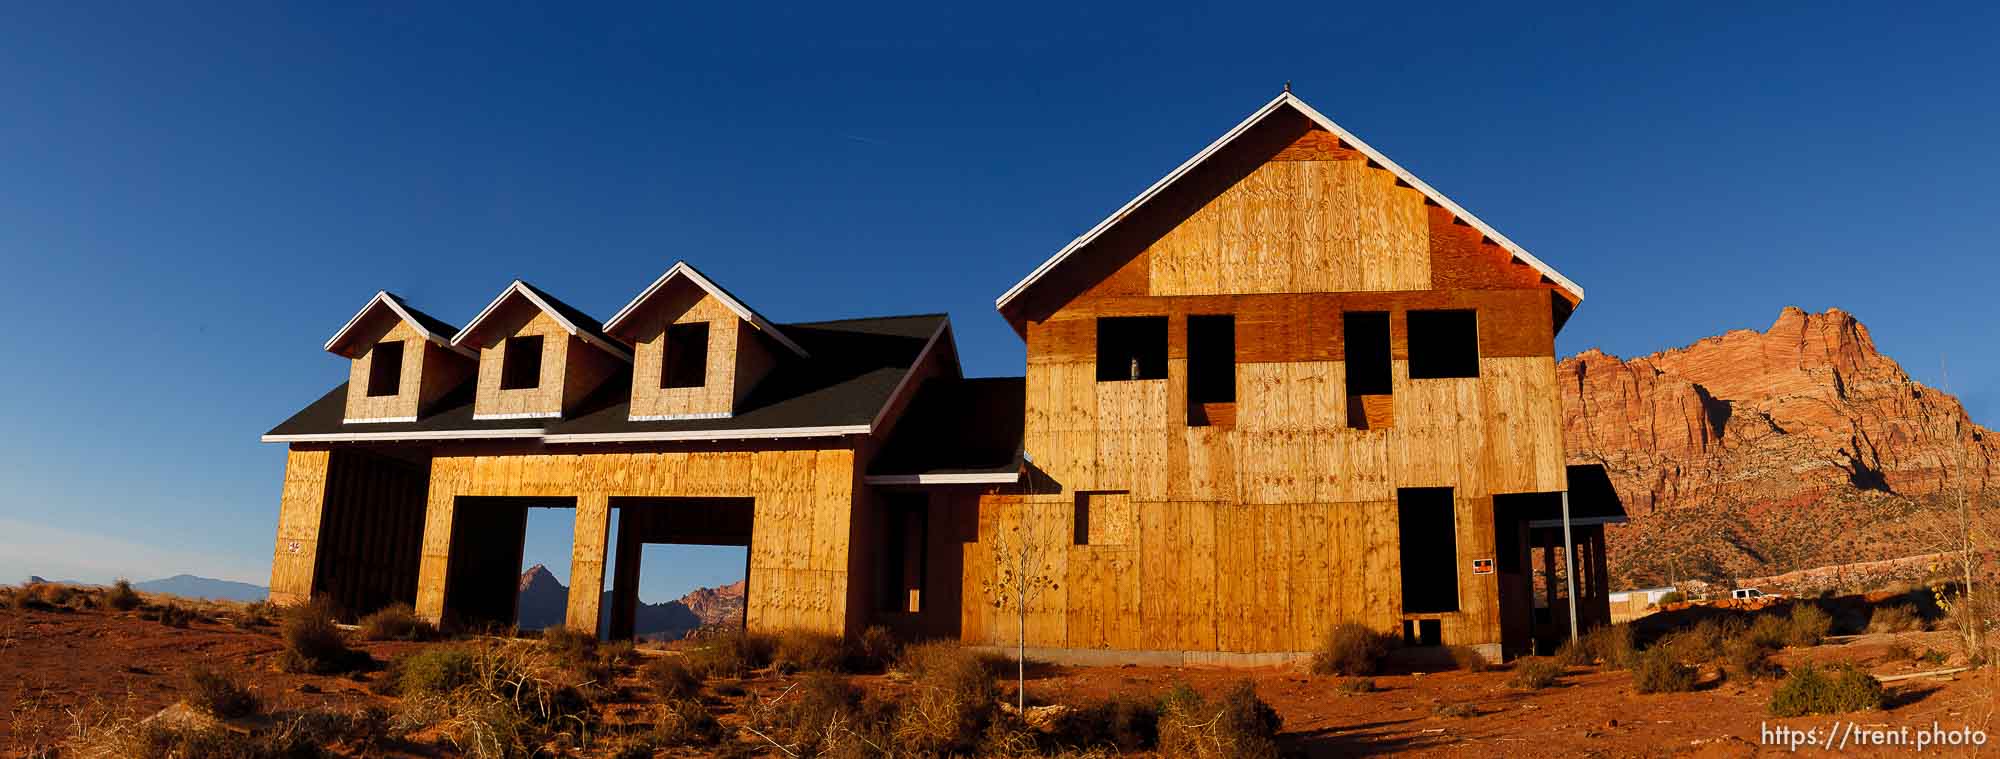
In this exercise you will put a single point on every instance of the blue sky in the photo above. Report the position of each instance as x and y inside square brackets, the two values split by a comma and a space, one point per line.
[193, 199]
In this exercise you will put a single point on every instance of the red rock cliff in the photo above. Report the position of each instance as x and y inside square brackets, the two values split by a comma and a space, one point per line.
[1761, 452]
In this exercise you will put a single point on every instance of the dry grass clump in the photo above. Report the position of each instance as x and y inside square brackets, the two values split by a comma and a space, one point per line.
[672, 679]
[1239, 724]
[923, 661]
[1611, 646]
[822, 715]
[569, 646]
[1895, 619]
[517, 698]
[1350, 649]
[430, 671]
[1535, 673]
[219, 695]
[805, 651]
[295, 735]
[876, 649]
[1808, 625]
[255, 614]
[1704, 641]
[121, 596]
[313, 643]
[686, 723]
[732, 654]
[953, 705]
[45, 596]
[1840, 689]
[1658, 671]
[1455, 710]
[1469, 659]
[1749, 656]
[172, 615]
[397, 621]
[1354, 686]
[1122, 725]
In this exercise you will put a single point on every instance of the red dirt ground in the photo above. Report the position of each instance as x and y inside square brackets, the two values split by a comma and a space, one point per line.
[59, 668]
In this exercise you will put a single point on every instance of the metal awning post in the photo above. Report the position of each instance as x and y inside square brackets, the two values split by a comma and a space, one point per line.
[1569, 559]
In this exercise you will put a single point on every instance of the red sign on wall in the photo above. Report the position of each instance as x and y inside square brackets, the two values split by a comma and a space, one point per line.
[1482, 566]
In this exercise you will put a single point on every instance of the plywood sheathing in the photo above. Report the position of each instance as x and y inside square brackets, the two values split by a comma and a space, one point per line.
[299, 507]
[737, 359]
[799, 545]
[429, 370]
[571, 367]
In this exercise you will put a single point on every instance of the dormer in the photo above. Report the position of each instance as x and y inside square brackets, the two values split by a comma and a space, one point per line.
[698, 351]
[401, 361]
[538, 356]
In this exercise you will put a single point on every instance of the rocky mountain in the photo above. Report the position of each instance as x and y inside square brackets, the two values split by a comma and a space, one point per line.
[1756, 453]
[544, 601]
[191, 586]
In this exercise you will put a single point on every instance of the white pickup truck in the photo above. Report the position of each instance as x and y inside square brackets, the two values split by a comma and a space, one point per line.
[1744, 594]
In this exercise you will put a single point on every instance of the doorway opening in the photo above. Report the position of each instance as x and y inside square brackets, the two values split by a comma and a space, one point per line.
[686, 538]
[483, 587]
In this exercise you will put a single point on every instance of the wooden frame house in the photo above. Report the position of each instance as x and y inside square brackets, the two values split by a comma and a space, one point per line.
[1289, 385]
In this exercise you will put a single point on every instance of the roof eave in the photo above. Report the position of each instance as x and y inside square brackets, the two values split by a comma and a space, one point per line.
[742, 310]
[575, 330]
[384, 298]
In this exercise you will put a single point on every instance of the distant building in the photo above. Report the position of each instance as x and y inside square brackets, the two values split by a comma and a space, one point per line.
[1627, 605]
[1289, 385]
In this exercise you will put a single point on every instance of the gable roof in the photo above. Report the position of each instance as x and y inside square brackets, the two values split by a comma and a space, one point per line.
[1287, 100]
[429, 327]
[682, 270]
[572, 320]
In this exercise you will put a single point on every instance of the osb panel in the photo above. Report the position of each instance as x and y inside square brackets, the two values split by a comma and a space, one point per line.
[685, 305]
[1112, 522]
[546, 397]
[1045, 528]
[1132, 435]
[1318, 145]
[443, 371]
[1299, 226]
[800, 533]
[1463, 259]
[1524, 447]
[299, 509]
[588, 367]
[405, 402]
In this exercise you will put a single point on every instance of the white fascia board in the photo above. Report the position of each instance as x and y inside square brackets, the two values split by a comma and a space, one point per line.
[518, 415]
[369, 437]
[383, 298]
[385, 420]
[1006, 478]
[568, 326]
[771, 433]
[1285, 99]
[678, 417]
[742, 311]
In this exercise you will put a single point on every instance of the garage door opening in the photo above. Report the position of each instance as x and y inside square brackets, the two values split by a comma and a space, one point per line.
[483, 579]
[688, 542]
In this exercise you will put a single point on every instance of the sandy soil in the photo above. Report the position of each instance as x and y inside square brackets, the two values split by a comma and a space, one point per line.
[59, 668]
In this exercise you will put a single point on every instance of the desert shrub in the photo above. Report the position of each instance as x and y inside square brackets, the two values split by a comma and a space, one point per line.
[1123, 724]
[821, 715]
[803, 651]
[433, 671]
[569, 646]
[921, 661]
[1610, 645]
[1749, 656]
[1771, 630]
[1469, 659]
[1350, 649]
[1808, 625]
[1455, 710]
[1657, 671]
[397, 621]
[515, 698]
[1893, 619]
[121, 596]
[1812, 690]
[1535, 673]
[876, 649]
[618, 653]
[1932, 657]
[1237, 725]
[43, 596]
[1700, 643]
[953, 704]
[685, 722]
[255, 614]
[156, 741]
[313, 643]
[174, 615]
[218, 694]
[732, 654]
[672, 679]
[1899, 651]
[1673, 597]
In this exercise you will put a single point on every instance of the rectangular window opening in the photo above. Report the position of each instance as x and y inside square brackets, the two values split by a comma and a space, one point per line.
[1131, 348]
[1443, 344]
[686, 356]
[385, 369]
[1429, 550]
[1366, 337]
[905, 533]
[1423, 632]
[521, 363]
[1211, 343]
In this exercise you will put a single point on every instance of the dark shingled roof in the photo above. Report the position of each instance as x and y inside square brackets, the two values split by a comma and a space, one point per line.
[856, 365]
[443, 329]
[576, 316]
[958, 426]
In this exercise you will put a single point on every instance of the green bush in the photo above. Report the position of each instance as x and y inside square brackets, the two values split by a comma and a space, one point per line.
[672, 679]
[1238, 725]
[1657, 671]
[803, 651]
[397, 621]
[1535, 673]
[1749, 656]
[1840, 689]
[1700, 643]
[218, 694]
[1350, 649]
[435, 671]
[1771, 630]
[121, 596]
[1894, 619]
[1809, 625]
[1672, 597]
